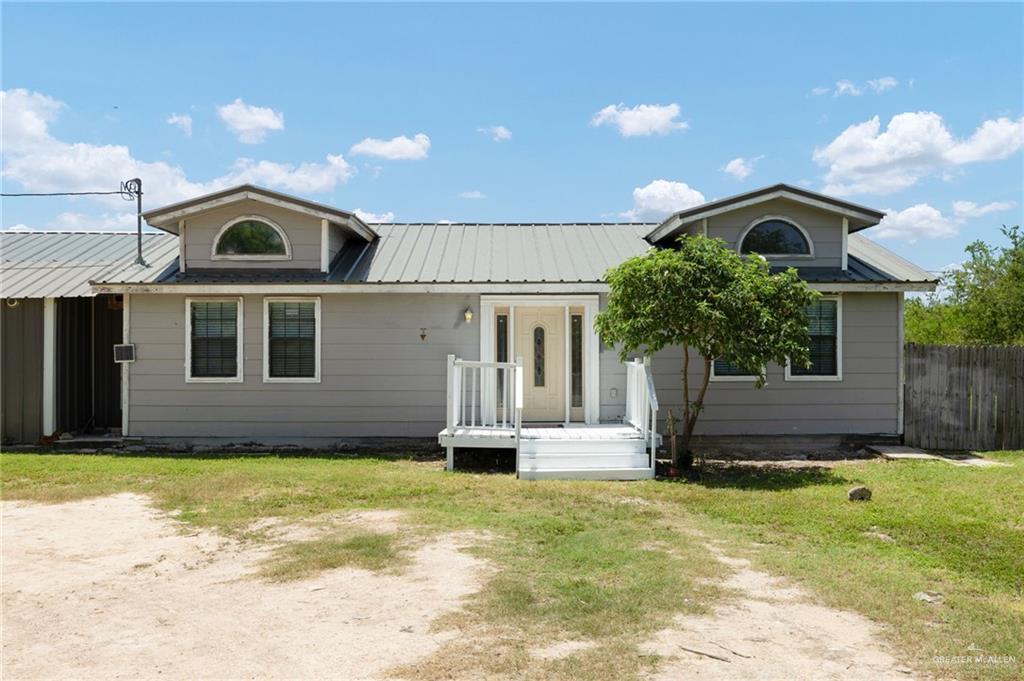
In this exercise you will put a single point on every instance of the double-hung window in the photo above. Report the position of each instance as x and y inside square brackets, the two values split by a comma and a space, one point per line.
[213, 352]
[291, 340]
[824, 322]
[724, 370]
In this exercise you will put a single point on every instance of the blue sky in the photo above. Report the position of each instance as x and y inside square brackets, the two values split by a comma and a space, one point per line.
[610, 112]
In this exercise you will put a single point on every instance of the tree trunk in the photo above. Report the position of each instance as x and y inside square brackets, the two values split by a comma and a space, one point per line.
[691, 415]
[681, 452]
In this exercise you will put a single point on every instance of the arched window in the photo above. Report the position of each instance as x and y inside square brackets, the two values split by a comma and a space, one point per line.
[251, 237]
[773, 236]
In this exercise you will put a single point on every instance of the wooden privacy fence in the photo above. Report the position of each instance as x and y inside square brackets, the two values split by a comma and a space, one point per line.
[962, 397]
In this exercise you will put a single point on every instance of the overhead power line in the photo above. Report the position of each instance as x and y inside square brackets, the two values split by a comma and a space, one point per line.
[131, 190]
[127, 195]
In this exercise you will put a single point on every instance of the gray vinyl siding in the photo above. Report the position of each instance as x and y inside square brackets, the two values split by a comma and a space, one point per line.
[378, 377]
[825, 229]
[303, 232]
[335, 242]
[865, 401]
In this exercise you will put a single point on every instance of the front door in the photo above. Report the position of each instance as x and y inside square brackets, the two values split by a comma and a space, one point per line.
[540, 341]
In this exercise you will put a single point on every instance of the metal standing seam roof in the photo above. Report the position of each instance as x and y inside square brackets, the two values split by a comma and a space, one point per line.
[61, 264]
[885, 261]
[44, 264]
[495, 253]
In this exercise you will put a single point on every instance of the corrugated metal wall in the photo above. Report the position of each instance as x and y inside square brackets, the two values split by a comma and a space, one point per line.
[88, 381]
[22, 369]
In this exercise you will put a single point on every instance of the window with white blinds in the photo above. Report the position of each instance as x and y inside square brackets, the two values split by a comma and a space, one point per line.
[214, 345]
[292, 347]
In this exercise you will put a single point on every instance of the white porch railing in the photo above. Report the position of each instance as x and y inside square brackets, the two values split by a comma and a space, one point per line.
[642, 403]
[485, 396]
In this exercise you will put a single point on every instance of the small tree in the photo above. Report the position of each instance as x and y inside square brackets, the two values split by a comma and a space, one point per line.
[980, 302]
[705, 297]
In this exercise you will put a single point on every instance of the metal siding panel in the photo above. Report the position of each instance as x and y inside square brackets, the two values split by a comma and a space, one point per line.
[21, 330]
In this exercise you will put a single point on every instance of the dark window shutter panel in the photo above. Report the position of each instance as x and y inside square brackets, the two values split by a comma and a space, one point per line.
[292, 339]
[214, 339]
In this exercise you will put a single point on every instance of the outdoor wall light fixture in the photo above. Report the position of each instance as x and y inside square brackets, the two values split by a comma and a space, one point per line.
[468, 314]
[12, 302]
[423, 334]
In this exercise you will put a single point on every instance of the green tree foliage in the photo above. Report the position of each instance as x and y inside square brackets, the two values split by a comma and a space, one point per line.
[981, 302]
[706, 298]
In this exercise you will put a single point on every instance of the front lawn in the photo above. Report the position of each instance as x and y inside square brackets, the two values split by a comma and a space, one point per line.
[612, 562]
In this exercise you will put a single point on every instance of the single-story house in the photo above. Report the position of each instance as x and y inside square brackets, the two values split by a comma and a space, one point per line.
[265, 317]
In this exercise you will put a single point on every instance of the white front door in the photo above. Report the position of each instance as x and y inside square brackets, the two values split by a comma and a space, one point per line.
[540, 340]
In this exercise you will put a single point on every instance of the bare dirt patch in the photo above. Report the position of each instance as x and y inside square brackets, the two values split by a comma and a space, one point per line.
[771, 630]
[112, 588]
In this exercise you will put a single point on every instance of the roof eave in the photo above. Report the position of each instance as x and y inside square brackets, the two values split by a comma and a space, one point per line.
[863, 214]
[167, 217]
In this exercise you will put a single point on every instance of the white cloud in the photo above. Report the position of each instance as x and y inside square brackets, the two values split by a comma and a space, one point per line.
[865, 159]
[969, 209]
[847, 87]
[182, 121]
[446, 222]
[643, 119]
[18, 228]
[498, 133]
[661, 198]
[880, 85]
[740, 167]
[26, 117]
[250, 123]
[367, 216]
[40, 162]
[472, 194]
[920, 221]
[300, 179]
[105, 222]
[395, 149]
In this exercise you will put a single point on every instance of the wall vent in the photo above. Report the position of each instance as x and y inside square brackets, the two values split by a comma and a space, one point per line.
[124, 353]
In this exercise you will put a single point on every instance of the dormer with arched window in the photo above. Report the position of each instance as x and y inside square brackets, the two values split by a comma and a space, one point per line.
[790, 226]
[253, 228]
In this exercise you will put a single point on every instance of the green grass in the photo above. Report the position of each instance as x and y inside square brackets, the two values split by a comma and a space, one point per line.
[614, 561]
[370, 551]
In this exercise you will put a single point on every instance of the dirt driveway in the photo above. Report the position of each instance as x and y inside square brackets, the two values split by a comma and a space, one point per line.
[110, 588]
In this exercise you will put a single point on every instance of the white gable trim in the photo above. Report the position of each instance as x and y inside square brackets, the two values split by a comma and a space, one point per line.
[666, 228]
[351, 221]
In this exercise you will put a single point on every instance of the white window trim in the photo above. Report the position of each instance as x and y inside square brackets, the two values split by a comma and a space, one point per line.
[267, 378]
[259, 218]
[778, 256]
[727, 379]
[239, 326]
[839, 348]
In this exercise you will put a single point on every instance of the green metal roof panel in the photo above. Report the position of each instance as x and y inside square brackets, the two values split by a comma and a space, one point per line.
[61, 264]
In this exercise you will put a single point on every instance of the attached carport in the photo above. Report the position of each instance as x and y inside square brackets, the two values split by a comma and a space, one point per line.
[57, 364]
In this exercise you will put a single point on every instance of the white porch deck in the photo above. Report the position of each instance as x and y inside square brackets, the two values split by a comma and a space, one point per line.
[490, 415]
